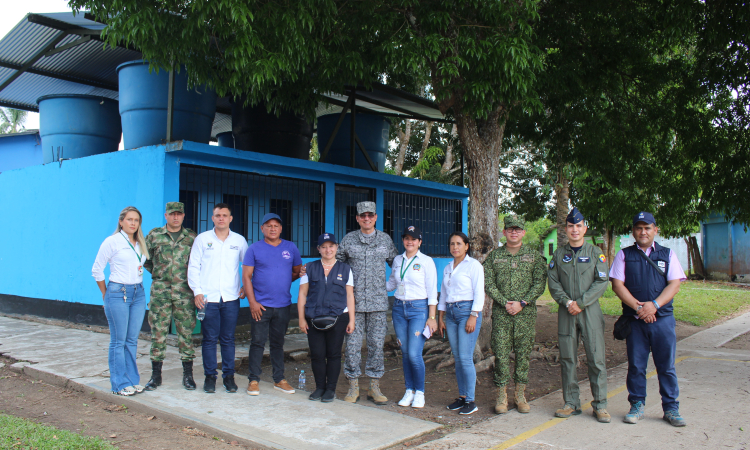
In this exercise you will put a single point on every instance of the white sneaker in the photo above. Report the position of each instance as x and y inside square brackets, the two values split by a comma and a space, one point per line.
[418, 400]
[408, 397]
[138, 388]
[126, 392]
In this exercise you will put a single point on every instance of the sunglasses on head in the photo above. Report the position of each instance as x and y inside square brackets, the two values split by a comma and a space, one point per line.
[367, 215]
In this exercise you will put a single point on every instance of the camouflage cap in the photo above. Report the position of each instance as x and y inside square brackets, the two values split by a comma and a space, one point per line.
[363, 207]
[175, 207]
[513, 220]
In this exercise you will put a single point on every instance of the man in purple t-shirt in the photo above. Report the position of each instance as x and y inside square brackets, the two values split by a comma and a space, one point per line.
[268, 270]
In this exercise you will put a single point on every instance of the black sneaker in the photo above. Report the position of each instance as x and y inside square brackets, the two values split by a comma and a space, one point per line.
[209, 386]
[316, 395]
[230, 385]
[468, 408]
[458, 404]
[328, 396]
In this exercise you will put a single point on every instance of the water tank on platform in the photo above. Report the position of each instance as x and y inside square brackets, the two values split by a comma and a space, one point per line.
[372, 131]
[225, 139]
[143, 106]
[257, 130]
[80, 125]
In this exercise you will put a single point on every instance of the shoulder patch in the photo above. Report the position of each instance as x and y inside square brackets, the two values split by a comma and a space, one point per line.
[602, 275]
[602, 258]
[552, 264]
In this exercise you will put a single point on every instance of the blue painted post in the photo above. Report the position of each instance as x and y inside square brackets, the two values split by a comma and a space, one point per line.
[380, 204]
[465, 215]
[330, 205]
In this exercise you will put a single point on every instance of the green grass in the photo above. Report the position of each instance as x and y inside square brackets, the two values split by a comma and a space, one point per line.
[697, 303]
[25, 434]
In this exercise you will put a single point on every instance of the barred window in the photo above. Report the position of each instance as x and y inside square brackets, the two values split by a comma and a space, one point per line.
[299, 203]
[436, 217]
[347, 198]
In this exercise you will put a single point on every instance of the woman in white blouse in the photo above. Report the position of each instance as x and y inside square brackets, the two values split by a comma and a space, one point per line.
[460, 309]
[414, 278]
[124, 298]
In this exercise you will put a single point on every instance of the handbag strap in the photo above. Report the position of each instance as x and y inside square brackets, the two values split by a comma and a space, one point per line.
[653, 264]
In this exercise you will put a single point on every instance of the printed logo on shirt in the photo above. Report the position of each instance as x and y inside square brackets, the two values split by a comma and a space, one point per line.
[567, 258]
[234, 247]
[417, 267]
[552, 264]
[602, 258]
[286, 255]
[584, 259]
[208, 246]
[339, 277]
[661, 264]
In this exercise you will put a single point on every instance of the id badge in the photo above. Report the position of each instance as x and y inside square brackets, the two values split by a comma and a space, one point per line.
[401, 291]
[140, 270]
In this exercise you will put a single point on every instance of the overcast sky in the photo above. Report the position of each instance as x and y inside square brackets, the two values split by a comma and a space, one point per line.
[13, 12]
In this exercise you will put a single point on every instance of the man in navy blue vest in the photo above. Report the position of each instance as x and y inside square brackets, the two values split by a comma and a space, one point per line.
[646, 289]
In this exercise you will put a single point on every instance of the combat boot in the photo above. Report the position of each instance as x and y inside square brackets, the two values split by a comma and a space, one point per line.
[353, 395]
[374, 393]
[187, 375]
[501, 407]
[155, 380]
[521, 404]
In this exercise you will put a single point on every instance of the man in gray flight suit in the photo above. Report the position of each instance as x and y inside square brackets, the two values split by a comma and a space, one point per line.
[577, 277]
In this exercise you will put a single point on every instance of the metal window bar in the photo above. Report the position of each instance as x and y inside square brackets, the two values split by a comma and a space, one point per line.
[347, 198]
[300, 203]
[436, 217]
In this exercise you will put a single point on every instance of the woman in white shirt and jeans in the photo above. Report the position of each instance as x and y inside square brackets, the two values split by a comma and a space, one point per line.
[414, 277]
[124, 298]
[460, 309]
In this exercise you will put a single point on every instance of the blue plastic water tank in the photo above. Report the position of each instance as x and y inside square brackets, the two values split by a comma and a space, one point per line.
[143, 107]
[257, 130]
[81, 125]
[225, 139]
[371, 129]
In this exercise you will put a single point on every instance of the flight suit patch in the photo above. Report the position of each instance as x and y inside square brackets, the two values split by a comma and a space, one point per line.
[567, 258]
[584, 259]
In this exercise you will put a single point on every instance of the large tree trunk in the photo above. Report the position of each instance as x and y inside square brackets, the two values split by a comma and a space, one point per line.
[562, 193]
[481, 140]
[609, 244]
[426, 142]
[403, 138]
[448, 163]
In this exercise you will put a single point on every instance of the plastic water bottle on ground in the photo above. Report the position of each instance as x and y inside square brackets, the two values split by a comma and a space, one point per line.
[301, 380]
[201, 314]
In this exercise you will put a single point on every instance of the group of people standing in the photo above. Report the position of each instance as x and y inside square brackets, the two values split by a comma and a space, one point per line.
[343, 301]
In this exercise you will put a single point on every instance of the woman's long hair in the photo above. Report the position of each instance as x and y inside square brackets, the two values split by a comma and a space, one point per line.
[139, 233]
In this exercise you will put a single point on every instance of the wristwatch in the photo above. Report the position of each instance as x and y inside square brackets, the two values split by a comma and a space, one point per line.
[523, 304]
[474, 314]
[432, 317]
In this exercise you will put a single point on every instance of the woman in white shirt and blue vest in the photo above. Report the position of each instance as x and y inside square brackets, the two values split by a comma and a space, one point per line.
[124, 298]
[414, 278]
[460, 309]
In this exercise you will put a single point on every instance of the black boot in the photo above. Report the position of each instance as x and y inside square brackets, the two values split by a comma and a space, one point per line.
[187, 375]
[155, 376]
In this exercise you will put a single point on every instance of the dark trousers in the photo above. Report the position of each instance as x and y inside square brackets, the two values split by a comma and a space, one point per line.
[218, 325]
[325, 352]
[272, 326]
[660, 339]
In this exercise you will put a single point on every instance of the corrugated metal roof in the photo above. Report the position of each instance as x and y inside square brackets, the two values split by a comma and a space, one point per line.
[90, 68]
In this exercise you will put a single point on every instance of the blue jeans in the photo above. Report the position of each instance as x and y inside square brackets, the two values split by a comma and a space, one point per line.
[271, 326]
[409, 319]
[462, 345]
[125, 307]
[660, 340]
[218, 325]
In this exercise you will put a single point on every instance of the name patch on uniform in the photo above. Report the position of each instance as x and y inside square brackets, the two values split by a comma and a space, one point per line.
[500, 260]
[552, 264]
[527, 258]
[584, 259]
[286, 255]
[567, 258]
[661, 264]
[416, 267]
[234, 247]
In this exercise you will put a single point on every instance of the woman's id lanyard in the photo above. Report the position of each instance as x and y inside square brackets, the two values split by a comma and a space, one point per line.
[401, 290]
[140, 266]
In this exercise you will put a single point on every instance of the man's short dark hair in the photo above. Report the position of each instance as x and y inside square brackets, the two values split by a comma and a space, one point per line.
[222, 206]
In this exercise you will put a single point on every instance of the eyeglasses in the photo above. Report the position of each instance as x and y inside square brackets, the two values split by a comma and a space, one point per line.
[513, 230]
[367, 215]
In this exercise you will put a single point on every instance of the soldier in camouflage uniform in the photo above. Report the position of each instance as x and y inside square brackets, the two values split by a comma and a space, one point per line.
[366, 251]
[170, 294]
[515, 276]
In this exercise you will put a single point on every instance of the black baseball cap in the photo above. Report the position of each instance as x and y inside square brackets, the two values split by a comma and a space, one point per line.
[412, 231]
[326, 237]
[645, 217]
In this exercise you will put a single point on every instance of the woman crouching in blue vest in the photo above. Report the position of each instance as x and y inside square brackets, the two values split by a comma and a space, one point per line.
[326, 311]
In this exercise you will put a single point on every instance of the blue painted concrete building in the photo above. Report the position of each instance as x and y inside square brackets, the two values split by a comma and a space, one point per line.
[81, 198]
[19, 150]
[726, 248]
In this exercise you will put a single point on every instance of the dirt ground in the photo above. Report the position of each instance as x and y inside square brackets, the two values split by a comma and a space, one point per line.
[67, 409]
[441, 388]
[741, 342]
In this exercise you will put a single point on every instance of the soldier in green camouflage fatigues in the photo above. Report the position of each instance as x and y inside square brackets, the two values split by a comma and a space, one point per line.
[520, 278]
[170, 294]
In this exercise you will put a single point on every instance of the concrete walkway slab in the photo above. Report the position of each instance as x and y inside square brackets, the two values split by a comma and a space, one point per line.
[78, 358]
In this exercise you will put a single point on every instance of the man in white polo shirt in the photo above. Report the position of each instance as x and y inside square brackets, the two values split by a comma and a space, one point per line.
[214, 277]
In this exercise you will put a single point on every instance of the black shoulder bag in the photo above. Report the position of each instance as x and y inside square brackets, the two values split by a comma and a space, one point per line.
[622, 326]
